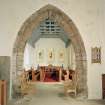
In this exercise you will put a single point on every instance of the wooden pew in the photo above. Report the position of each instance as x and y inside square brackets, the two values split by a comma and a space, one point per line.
[24, 82]
[71, 73]
[70, 85]
[42, 73]
[63, 74]
[37, 75]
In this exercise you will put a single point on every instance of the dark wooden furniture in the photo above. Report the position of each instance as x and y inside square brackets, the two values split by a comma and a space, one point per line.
[69, 73]
[34, 75]
[103, 85]
[63, 74]
[3, 92]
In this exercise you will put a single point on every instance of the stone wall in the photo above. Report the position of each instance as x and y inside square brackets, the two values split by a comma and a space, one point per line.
[5, 70]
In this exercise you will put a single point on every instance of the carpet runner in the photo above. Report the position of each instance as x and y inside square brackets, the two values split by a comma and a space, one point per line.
[50, 78]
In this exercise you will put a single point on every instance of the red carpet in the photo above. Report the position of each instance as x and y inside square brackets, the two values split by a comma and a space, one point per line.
[48, 78]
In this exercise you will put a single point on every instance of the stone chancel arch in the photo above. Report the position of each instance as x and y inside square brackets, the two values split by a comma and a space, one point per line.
[69, 27]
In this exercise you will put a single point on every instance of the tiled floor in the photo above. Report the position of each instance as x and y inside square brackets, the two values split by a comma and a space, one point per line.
[52, 94]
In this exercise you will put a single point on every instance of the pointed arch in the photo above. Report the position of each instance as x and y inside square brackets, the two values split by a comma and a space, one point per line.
[69, 27]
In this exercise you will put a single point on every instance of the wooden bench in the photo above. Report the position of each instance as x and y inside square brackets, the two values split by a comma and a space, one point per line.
[70, 86]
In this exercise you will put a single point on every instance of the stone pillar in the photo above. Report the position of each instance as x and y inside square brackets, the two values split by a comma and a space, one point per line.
[12, 74]
[82, 74]
[68, 56]
[19, 63]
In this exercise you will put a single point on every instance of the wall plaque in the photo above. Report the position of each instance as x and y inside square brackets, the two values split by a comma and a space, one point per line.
[96, 54]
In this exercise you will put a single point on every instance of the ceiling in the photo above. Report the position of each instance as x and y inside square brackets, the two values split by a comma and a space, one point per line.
[48, 29]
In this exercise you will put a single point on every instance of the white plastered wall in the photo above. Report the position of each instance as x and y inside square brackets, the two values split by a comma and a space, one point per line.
[44, 45]
[88, 16]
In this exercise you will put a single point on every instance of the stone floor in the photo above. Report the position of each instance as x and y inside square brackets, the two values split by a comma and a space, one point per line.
[52, 94]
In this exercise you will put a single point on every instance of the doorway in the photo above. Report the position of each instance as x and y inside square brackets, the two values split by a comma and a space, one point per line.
[103, 86]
